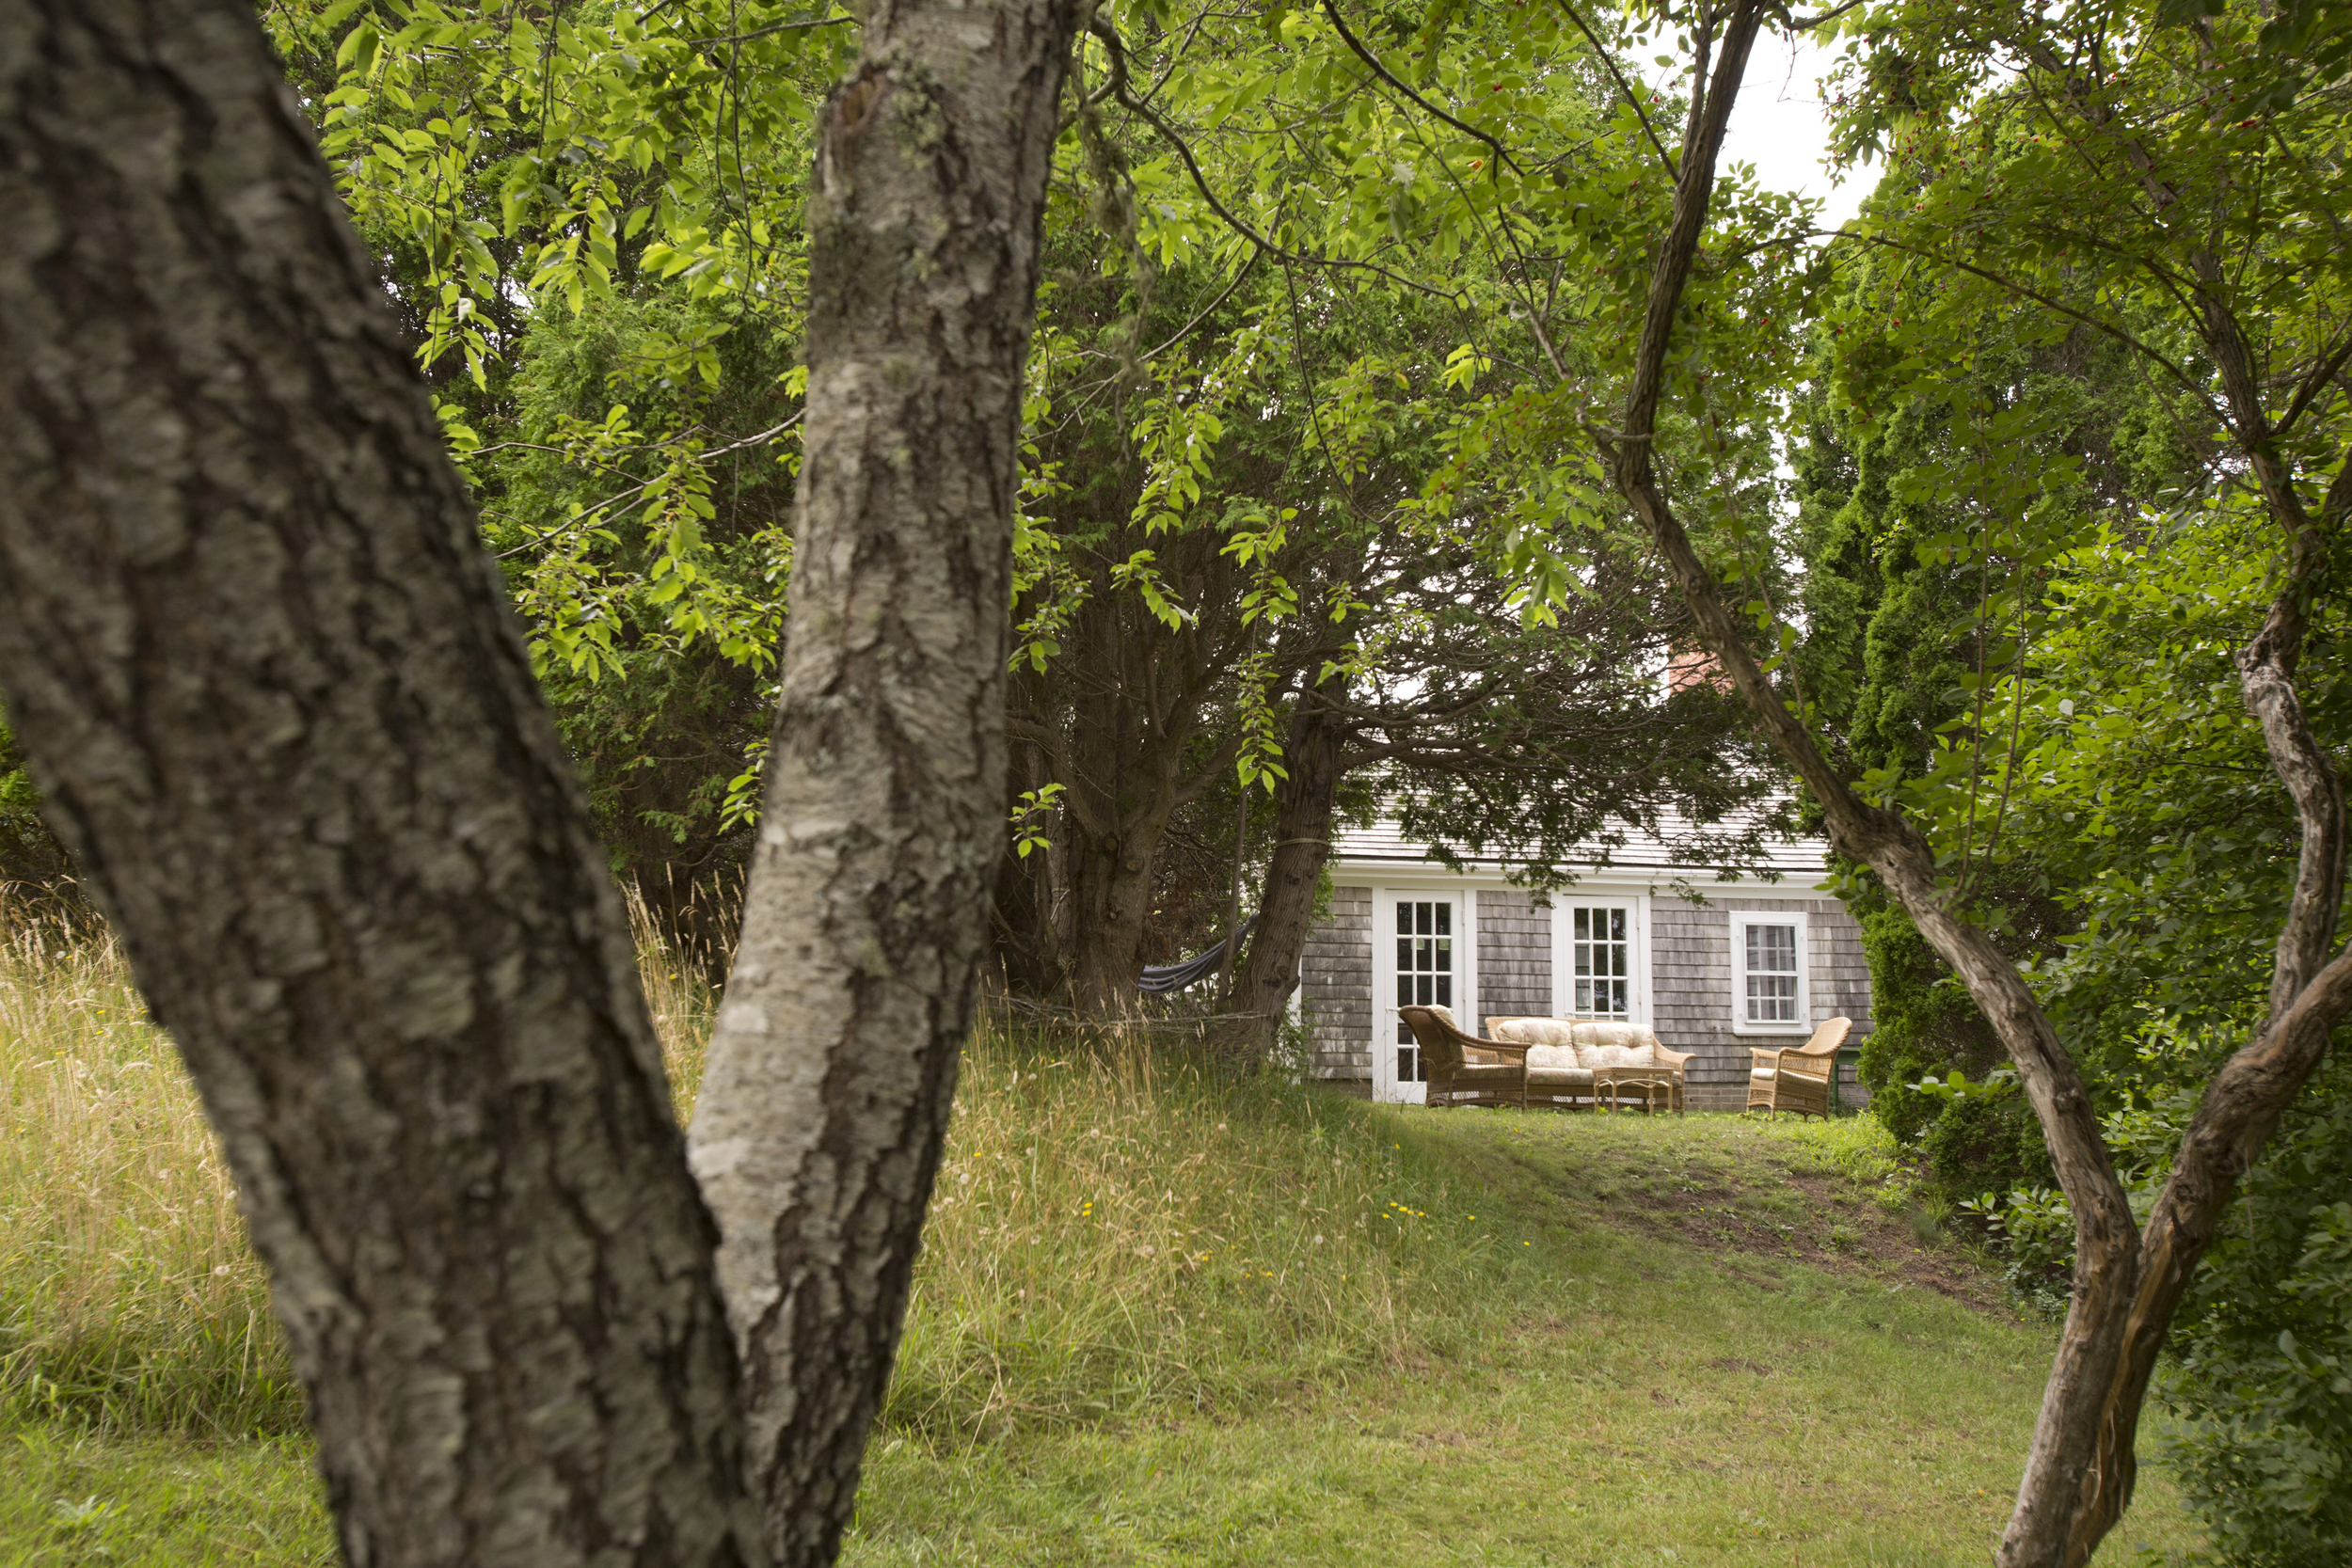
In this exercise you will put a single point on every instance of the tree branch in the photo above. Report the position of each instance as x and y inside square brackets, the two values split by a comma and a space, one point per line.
[1373, 63]
[1100, 27]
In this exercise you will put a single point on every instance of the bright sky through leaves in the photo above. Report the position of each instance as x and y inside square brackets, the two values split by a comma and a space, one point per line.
[1781, 126]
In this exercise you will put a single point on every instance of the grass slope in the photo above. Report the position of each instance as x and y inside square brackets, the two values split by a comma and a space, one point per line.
[1700, 1341]
[1162, 1317]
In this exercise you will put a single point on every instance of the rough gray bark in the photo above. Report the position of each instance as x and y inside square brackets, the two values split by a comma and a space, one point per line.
[2079, 1468]
[269, 685]
[820, 1124]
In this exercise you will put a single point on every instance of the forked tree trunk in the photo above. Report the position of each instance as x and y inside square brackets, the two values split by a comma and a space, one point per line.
[267, 679]
[2079, 1469]
[826, 1099]
[270, 687]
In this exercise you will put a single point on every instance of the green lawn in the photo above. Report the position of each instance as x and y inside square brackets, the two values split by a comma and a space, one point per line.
[75, 1500]
[1704, 1340]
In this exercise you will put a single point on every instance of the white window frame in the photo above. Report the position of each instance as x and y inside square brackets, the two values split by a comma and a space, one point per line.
[1740, 921]
[1636, 906]
[1384, 1020]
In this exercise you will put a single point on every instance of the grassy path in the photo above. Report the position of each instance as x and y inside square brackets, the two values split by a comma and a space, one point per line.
[1698, 1341]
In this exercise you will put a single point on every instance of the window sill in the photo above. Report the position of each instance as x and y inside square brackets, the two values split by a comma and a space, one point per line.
[1779, 1031]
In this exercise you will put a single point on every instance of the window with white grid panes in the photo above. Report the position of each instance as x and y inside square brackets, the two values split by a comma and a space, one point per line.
[1600, 960]
[1769, 972]
[1424, 973]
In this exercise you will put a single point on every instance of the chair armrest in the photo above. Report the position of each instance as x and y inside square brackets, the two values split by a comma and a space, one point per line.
[1765, 1057]
[1509, 1052]
[1673, 1059]
[1797, 1065]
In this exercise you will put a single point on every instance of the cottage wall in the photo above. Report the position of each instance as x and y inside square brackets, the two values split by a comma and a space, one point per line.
[1690, 958]
[1514, 956]
[1335, 988]
[1690, 988]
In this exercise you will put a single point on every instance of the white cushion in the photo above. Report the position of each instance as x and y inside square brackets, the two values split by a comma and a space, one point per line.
[1615, 1055]
[1556, 1032]
[1547, 1058]
[1447, 1014]
[1764, 1072]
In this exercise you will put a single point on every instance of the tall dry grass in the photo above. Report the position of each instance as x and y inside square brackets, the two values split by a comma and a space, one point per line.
[127, 1292]
[1117, 1227]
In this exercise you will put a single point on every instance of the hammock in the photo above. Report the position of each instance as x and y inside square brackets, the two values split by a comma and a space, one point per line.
[1160, 980]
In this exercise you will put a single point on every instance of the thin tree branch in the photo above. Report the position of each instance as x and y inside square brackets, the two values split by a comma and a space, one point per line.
[763, 32]
[2023, 292]
[2312, 384]
[1625, 89]
[1373, 63]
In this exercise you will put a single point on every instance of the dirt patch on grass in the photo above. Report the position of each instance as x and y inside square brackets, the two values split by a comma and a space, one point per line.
[1722, 1189]
[1835, 1226]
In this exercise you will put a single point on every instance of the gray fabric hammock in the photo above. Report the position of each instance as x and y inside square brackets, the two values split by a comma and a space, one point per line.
[1162, 979]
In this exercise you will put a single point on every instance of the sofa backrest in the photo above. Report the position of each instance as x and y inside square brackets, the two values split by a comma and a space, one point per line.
[1533, 1031]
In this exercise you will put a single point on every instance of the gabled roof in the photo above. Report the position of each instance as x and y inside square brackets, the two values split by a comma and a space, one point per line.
[1801, 862]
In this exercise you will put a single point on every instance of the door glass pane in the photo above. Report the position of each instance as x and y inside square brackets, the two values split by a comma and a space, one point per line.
[1600, 961]
[1772, 974]
[1424, 972]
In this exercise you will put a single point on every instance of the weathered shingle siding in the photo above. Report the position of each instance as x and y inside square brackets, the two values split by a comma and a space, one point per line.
[1691, 988]
[1335, 986]
[1514, 956]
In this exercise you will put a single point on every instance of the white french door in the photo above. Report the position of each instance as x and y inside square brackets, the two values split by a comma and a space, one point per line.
[1598, 966]
[1421, 957]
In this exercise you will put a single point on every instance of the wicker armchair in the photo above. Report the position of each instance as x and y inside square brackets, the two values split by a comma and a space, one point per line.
[1797, 1077]
[1464, 1069]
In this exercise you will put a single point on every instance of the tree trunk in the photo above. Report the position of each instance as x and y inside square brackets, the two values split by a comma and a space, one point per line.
[280, 713]
[830, 1070]
[1302, 841]
[1110, 899]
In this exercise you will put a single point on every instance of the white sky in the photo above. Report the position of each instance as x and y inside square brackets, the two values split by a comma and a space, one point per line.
[1779, 125]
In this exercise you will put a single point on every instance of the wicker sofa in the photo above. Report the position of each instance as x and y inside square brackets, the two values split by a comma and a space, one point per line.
[1564, 1054]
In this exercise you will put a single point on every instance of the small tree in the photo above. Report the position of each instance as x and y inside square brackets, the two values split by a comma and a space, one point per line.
[2138, 152]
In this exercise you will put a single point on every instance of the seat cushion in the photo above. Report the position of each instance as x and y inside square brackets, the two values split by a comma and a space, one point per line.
[1617, 1055]
[1447, 1014]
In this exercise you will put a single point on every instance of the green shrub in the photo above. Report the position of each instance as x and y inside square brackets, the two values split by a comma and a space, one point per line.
[1985, 1143]
[1922, 1022]
[2263, 1376]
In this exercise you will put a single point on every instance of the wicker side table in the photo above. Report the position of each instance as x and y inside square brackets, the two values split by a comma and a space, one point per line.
[1655, 1084]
